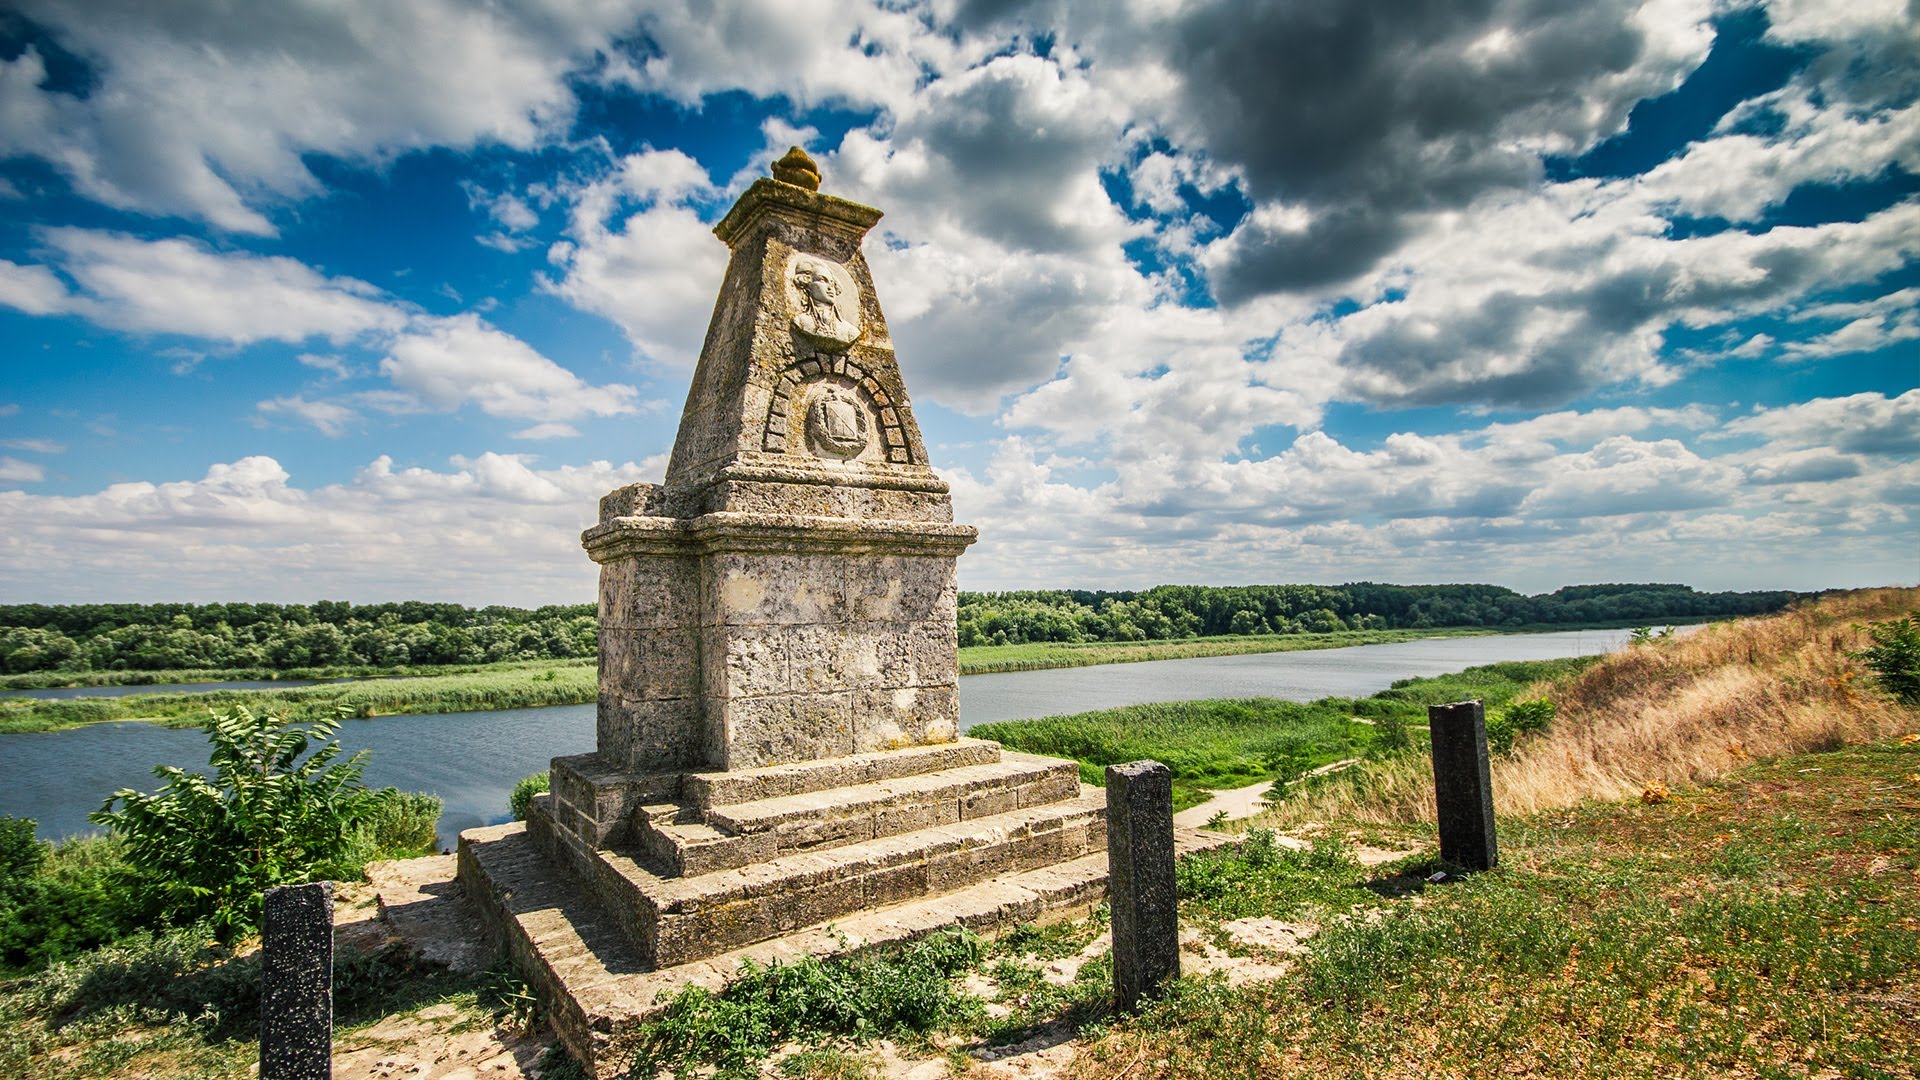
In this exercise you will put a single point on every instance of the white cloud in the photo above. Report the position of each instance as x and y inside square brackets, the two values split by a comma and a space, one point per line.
[450, 362]
[177, 286]
[548, 430]
[330, 418]
[35, 446]
[180, 286]
[200, 113]
[15, 471]
[859, 54]
[33, 289]
[494, 528]
[654, 271]
[1569, 497]
[1870, 423]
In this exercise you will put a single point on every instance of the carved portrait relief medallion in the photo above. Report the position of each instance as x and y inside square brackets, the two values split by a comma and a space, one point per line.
[837, 425]
[826, 302]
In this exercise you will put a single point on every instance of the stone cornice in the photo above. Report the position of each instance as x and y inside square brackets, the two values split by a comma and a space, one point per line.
[785, 533]
[810, 209]
[785, 469]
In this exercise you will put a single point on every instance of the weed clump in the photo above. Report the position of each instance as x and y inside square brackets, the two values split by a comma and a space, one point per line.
[866, 997]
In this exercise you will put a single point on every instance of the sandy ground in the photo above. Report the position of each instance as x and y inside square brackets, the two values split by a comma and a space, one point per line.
[417, 903]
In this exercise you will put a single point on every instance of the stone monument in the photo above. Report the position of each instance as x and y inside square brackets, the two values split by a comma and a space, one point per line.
[779, 769]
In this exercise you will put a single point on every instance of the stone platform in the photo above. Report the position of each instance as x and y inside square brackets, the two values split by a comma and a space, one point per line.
[609, 919]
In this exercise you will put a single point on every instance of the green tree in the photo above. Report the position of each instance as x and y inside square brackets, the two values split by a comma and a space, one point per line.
[1894, 657]
[211, 846]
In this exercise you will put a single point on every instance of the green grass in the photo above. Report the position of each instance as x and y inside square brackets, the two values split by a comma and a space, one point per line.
[1765, 926]
[1037, 656]
[503, 687]
[1222, 744]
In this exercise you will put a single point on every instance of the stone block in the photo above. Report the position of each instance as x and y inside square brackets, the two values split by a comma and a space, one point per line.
[1146, 932]
[889, 719]
[934, 653]
[643, 734]
[746, 662]
[653, 593]
[296, 982]
[981, 804]
[786, 728]
[760, 589]
[650, 664]
[1463, 785]
[819, 658]
[912, 816]
[1055, 787]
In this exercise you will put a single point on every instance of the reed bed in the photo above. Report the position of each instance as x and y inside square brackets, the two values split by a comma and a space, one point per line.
[1674, 711]
[1041, 655]
[501, 688]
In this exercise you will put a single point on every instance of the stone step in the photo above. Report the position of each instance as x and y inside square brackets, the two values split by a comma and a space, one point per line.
[680, 919]
[597, 989]
[800, 778]
[689, 842]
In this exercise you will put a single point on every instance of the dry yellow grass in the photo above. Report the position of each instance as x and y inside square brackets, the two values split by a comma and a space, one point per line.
[1676, 711]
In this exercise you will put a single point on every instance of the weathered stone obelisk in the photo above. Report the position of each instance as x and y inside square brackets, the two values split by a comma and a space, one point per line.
[788, 595]
[778, 721]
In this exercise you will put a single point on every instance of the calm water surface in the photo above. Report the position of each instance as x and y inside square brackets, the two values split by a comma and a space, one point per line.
[472, 760]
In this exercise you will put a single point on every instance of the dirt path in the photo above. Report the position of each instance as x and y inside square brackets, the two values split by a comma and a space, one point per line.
[1238, 803]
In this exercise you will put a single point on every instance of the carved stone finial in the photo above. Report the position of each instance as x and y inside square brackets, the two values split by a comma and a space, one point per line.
[798, 169]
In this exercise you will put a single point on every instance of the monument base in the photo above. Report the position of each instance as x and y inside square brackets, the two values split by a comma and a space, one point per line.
[622, 888]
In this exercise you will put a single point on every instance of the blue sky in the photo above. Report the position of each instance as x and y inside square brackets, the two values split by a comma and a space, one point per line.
[373, 301]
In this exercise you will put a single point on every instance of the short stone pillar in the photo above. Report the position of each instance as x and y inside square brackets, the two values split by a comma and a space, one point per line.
[1146, 932]
[296, 983]
[1463, 784]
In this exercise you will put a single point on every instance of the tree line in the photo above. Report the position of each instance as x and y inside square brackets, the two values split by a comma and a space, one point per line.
[329, 633]
[166, 637]
[1183, 611]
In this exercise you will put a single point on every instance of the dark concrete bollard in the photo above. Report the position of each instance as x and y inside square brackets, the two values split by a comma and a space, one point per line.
[1463, 784]
[296, 983]
[1146, 932]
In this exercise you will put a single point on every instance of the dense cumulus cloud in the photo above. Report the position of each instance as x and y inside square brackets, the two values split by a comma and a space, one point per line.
[1152, 257]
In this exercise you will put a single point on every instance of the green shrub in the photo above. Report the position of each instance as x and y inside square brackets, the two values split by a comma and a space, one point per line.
[59, 900]
[1894, 657]
[1390, 734]
[208, 848]
[1519, 718]
[521, 800]
[399, 825]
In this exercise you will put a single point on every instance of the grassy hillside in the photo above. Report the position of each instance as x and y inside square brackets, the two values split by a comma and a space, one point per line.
[1673, 711]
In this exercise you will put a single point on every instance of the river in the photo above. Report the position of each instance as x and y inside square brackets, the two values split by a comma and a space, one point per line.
[472, 759]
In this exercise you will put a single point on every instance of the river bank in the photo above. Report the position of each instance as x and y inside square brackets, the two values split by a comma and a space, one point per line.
[524, 684]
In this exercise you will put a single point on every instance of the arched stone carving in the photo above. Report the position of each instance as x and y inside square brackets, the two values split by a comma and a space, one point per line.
[790, 393]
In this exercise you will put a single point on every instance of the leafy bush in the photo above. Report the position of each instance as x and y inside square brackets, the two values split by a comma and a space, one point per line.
[1894, 657]
[58, 900]
[521, 800]
[1517, 719]
[399, 825]
[208, 848]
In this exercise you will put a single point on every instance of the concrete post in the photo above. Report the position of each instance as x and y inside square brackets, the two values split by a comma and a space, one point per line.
[1146, 933]
[1463, 784]
[296, 983]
